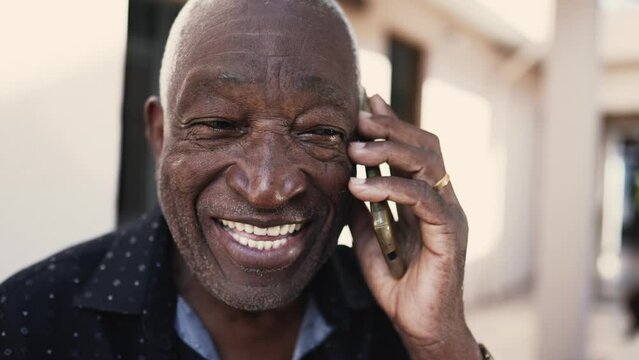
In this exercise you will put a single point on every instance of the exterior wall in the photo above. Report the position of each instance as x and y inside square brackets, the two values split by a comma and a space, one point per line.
[620, 82]
[60, 100]
[618, 27]
[487, 124]
[620, 89]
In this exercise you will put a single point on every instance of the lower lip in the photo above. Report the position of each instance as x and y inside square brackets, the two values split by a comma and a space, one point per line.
[271, 259]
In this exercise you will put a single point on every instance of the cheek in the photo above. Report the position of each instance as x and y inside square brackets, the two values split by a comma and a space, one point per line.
[324, 154]
[332, 178]
[188, 173]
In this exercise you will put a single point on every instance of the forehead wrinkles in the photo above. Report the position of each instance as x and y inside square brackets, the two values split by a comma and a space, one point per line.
[248, 48]
[213, 17]
[268, 22]
[275, 44]
[285, 77]
[263, 47]
[277, 80]
[312, 31]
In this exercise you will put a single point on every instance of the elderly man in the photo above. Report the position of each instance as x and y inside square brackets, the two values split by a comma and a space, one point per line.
[256, 134]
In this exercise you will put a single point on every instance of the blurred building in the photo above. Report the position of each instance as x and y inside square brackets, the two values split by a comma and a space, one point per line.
[475, 72]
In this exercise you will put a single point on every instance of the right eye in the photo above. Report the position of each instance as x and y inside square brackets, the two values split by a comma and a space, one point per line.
[220, 124]
[215, 128]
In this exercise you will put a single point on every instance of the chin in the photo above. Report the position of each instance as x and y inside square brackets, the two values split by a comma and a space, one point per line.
[261, 290]
[259, 299]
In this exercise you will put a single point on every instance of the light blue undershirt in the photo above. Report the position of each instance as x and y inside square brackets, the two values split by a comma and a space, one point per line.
[191, 330]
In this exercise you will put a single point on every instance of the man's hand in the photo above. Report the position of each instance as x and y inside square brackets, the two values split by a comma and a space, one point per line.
[426, 304]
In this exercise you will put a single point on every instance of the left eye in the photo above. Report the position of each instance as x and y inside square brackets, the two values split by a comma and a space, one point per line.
[327, 132]
[323, 137]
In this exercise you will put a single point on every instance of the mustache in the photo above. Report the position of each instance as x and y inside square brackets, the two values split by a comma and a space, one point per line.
[239, 209]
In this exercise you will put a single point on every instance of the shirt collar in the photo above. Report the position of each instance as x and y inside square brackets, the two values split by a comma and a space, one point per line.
[135, 277]
[131, 268]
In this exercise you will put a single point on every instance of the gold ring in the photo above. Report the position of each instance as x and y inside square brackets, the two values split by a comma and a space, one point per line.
[442, 182]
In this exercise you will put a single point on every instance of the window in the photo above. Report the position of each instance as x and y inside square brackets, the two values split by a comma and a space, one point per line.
[406, 80]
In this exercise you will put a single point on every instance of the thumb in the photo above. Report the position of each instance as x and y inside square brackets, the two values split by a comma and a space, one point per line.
[371, 259]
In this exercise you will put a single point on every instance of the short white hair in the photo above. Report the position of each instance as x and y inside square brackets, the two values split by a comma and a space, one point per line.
[174, 51]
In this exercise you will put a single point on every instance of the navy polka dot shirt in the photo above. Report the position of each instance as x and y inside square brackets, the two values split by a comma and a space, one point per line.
[114, 298]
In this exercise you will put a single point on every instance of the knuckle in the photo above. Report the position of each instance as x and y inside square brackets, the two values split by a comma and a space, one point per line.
[429, 140]
[423, 192]
[384, 146]
[431, 157]
[434, 140]
[419, 188]
[386, 122]
[378, 149]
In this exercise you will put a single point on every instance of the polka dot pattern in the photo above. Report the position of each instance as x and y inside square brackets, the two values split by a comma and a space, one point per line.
[86, 302]
[113, 298]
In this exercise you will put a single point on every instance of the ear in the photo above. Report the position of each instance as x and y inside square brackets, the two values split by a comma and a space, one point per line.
[154, 125]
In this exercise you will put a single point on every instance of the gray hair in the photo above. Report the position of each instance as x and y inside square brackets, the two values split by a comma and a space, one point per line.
[174, 51]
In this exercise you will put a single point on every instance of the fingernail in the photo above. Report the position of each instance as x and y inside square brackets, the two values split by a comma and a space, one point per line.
[357, 181]
[357, 145]
[365, 114]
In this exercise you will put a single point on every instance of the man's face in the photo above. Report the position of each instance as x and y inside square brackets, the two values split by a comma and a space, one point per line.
[253, 168]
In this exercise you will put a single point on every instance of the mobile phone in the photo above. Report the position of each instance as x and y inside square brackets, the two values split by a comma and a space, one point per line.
[383, 222]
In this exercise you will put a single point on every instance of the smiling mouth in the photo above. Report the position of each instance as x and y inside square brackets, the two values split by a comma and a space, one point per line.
[259, 238]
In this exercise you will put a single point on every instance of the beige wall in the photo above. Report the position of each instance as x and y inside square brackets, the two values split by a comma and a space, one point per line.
[60, 102]
[487, 124]
[620, 89]
[619, 26]
[620, 82]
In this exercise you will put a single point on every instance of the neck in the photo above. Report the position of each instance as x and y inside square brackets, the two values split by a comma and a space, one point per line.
[271, 334]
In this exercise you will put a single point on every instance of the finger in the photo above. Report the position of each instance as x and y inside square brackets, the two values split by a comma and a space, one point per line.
[379, 106]
[418, 163]
[439, 220]
[424, 200]
[373, 126]
[367, 249]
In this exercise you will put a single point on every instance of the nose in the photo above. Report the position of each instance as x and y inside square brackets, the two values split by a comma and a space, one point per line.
[266, 176]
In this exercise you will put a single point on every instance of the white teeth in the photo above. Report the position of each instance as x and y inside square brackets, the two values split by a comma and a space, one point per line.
[259, 245]
[273, 230]
[262, 244]
[270, 231]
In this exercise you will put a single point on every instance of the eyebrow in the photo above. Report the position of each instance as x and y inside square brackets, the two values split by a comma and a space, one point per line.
[196, 81]
[327, 93]
[221, 79]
